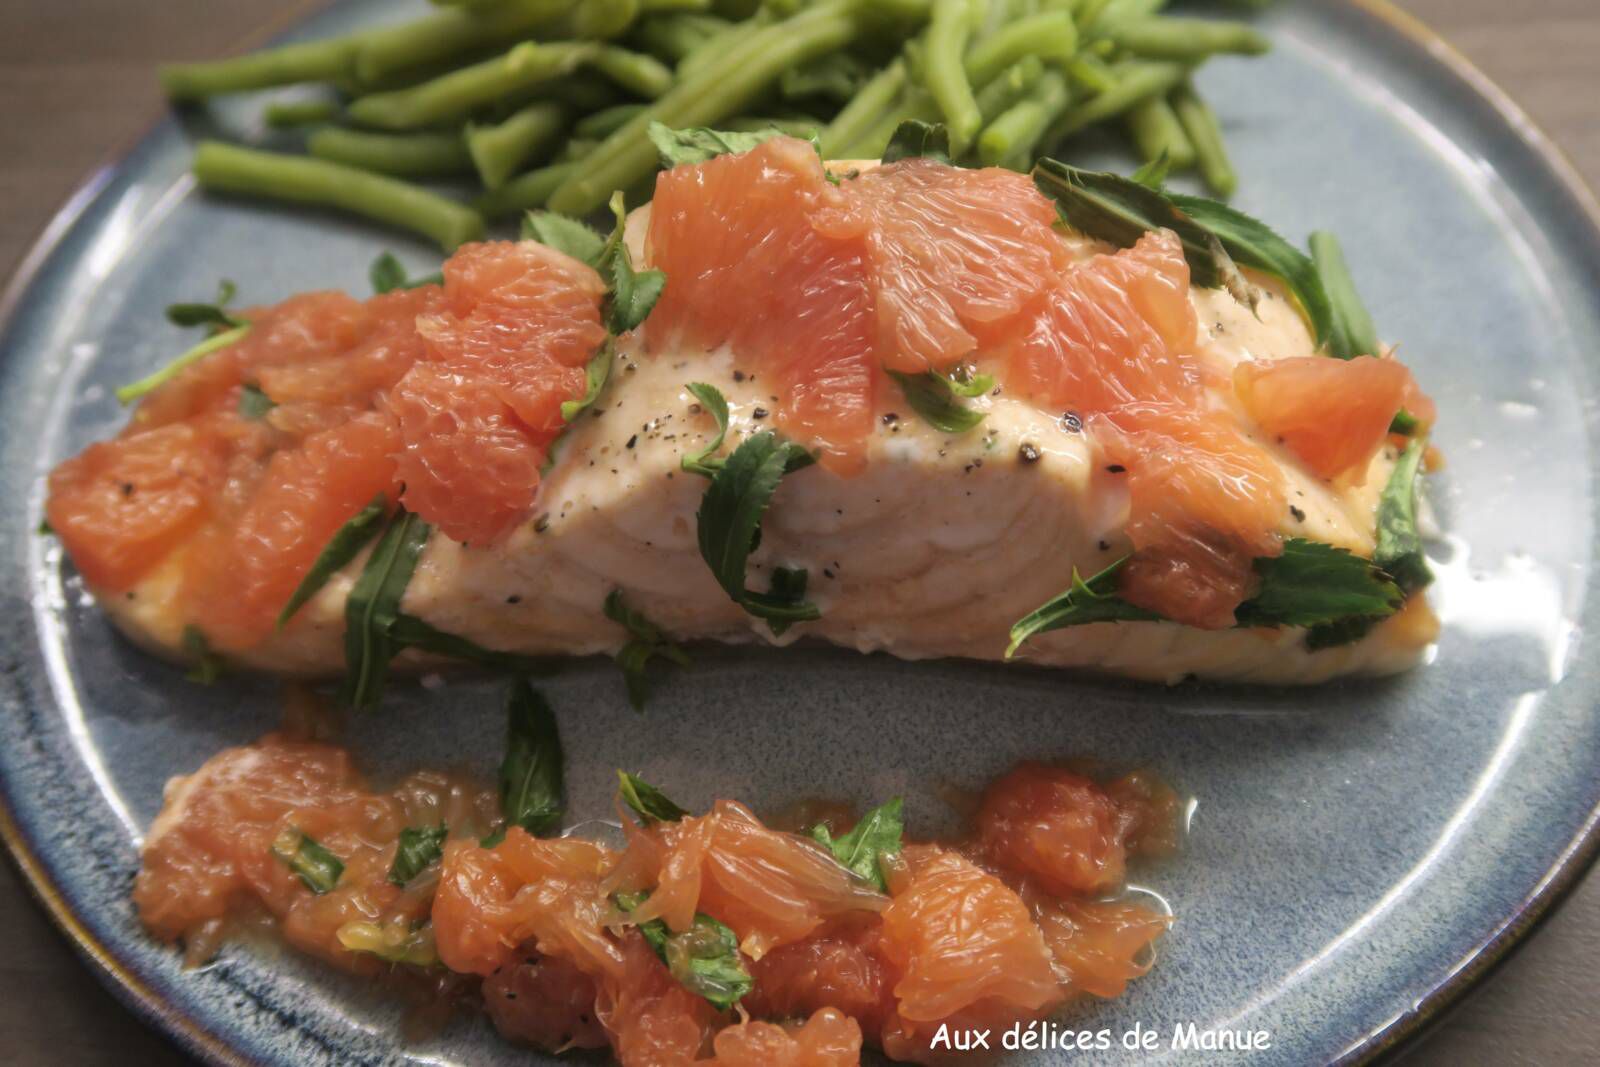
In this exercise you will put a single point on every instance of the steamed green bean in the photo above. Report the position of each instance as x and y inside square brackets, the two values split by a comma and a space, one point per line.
[525, 192]
[406, 155]
[1135, 81]
[461, 92]
[1009, 140]
[500, 150]
[1157, 132]
[949, 31]
[449, 34]
[1200, 123]
[1009, 86]
[1050, 36]
[276, 176]
[1186, 39]
[868, 107]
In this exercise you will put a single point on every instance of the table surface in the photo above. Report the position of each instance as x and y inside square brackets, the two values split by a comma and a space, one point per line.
[76, 83]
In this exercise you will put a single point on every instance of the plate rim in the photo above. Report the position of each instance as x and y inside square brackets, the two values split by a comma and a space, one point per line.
[1385, 1044]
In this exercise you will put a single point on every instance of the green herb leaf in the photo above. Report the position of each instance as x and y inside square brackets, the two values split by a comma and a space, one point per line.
[1118, 210]
[1405, 423]
[597, 372]
[1312, 584]
[206, 667]
[1153, 175]
[1094, 600]
[253, 403]
[697, 144]
[877, 834]
[704, 959]
[964, 381]
[346, 543]
[1352, 333]
[1399, 550]
[564, 234]
[914, 139]
[419, 848]
[151, 382]
[318, 868]
[633, 293]
[647, 641]
[373, 606]
[45, 529]
[408, 631]
[1344, 632]
[531, 779]
[387, 274]
[935, 399]
[729, 522]
[1254, 244]
[648, 802]
[705, 461]
[214, 315]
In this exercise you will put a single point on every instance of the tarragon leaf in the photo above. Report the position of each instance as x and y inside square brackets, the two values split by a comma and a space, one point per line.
[564, 234]
[933, 397]
[419, 848]
[531, 778]
[373, 606]
[1086, 601]
[648, 802]
[704, 959]
[915, 139]
[1312, 584]
[214, 315]
[877, 834]
[1352, 332]
[318, 868]
[387, 274]
[705, 462]
[1399, 549]
[596, 373]
[346, 543]
[646, 642]
[697, 144]
[633, 293]
[206, 666]
[253, 403]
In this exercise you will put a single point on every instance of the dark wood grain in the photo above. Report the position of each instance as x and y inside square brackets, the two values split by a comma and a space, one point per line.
[76, 84]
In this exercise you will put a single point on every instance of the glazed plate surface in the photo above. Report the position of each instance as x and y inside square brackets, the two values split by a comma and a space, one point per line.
[1357, 853]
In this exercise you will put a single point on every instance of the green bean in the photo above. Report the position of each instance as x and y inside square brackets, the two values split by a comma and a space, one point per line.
[1186, 39]
[860, 114]
[409, 155]
[1088, 12]
[1051, 36]
[503, 149]
[313, 61]
[603, 123]
[287, 114]
[576, 148]
[803, 127]
[1135, 81]
[672, 37]
[1011, 85]
[634, 71]
[272, 175]
[1200, 123]
[711, 94]
[688, 6]
[1120, 10]
[1090, 72]
[525, 192]
[1157, 132]
[459, 93]
[593, 20]
[581, 92]
[716, 46]
[1010, 139]
[946, 75]
[447, 35]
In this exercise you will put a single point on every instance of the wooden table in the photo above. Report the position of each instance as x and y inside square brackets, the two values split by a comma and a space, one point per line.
[76, 82]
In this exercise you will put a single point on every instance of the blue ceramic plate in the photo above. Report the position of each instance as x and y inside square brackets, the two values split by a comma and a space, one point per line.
[1357, 854]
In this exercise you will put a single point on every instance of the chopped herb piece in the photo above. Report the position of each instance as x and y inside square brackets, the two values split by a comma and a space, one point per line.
[214, 315]
[318, 868]
[387, 274]
[697, 144]
[576, 239]
[597, 373]
[373, 606]
[1399, 550]
[1352, 331]
[1094, 600]
[1254, 244]
[705, 461]
[1405, 423]
[419, 848]
[646, 641]
[1153, 175]
[253, 403]
[648, 802]
[1312, 584]
[1344, 632]
[914, 139]
[206, 667]
[729, 522]
[408, 631]
[964, 381]
[633, 293]
[127, 394]
[876, 835]
[1120, 211]
[704, 959]
[934, 398]
[346, 543]
[45, 529]
[530, 774]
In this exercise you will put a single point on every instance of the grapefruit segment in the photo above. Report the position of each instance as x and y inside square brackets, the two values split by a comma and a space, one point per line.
[1332, 413]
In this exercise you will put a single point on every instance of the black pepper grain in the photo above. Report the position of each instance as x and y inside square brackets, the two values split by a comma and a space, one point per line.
[759, 413]
[1071, 423]
[1116, 468]
[632, 441]
[1028, 453]
[1299, 516]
